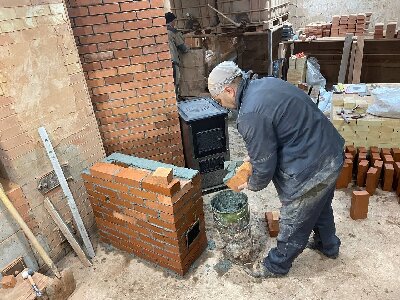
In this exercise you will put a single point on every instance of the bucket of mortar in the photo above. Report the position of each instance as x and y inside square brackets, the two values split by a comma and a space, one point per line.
[230, 211]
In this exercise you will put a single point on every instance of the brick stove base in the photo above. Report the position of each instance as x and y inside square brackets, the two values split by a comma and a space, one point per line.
[154, 215]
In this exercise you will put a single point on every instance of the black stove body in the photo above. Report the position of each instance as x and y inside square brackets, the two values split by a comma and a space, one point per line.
[205, 139]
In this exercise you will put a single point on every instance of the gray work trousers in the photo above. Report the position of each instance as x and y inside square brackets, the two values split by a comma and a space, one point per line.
[311, 212]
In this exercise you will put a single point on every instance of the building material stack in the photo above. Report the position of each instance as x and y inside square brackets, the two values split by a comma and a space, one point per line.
[391, 30]
[318, 30]
[378, 33]
[368, 130]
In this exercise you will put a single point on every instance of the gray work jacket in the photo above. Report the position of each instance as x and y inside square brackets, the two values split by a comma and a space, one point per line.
[176, 44]
[289, 140]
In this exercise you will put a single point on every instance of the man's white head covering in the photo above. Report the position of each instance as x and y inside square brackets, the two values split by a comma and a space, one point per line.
[222, 75]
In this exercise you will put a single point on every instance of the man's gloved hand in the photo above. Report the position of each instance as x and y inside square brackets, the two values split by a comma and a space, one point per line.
[242, 186]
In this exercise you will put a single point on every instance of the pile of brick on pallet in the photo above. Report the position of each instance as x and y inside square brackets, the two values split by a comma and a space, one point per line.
[369, 169]
[357, 24]
[148, 208]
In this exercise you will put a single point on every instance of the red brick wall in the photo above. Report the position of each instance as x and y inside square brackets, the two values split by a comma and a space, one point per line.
[137, 212]
[124, 51]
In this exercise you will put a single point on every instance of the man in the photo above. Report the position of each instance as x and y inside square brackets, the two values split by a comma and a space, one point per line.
[290, 142]
[176, 46]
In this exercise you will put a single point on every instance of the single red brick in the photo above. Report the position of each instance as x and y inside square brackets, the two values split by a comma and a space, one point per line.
[388, 177]
[385, 151]
[359, 205]
[90, 20]
[396, 176]
[103, 9]
[131, 176]
[93, 39]
[110, 63]
[143, 194]
[105, 170]
[113, 27]
[8, 282]
[350, 172]
[396, 154]
[388, 159]
[398, 188]
[159, 21]
[374, 149]
[124, 35]
[351, 149]
[272, 220]
[362, 150]
[157, 3]
[138, 24]
[124, 217]
[135, 5]
[362, 156]
[371, 180]
[362, 172]
[119, 17]
[162, 224]
[115, 45]
[78, 11]
[163, 176]
[375, 157]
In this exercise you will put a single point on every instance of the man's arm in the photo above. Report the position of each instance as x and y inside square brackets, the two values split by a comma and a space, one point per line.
[180, 43]
[261, 143]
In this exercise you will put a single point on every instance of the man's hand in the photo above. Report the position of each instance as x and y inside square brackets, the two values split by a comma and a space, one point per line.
[242, 186]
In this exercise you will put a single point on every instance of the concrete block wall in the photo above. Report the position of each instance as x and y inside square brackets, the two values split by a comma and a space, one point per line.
[42, 84]
[123, 46]
[147, 215]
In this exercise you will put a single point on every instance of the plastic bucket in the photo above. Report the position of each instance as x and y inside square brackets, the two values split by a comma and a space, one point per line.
[230, 211]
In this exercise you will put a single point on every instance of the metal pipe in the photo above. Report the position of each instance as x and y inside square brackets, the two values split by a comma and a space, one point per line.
[270, 62]
[226, 17]
[43, 254]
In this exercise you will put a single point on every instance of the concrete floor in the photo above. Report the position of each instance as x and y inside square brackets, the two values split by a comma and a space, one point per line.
[368, 266]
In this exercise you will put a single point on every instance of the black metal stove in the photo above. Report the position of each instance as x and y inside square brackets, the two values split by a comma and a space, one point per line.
[205, 139]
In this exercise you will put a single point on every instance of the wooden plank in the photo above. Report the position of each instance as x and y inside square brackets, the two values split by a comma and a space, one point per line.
[64, 185]
[345, 57]
[351, 67]
[358, 60]
[67, 233]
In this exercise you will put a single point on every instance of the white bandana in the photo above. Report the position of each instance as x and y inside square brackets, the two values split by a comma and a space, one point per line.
[222, 75]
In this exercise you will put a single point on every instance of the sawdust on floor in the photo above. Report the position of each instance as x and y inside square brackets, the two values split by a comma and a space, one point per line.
[367, 268]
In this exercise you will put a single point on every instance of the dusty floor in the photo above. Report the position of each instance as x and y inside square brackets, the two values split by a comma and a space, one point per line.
[367, 268]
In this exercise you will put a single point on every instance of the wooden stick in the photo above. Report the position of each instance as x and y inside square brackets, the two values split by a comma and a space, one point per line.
[345, 57]
[29, 234]
[358, 60]
[351, 67]
[67, 233]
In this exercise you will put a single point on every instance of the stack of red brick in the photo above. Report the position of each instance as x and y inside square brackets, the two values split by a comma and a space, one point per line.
[318, 30]
[391, 31]
[371, 168]
[153, 214]
[356, 23]
[123, 47]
